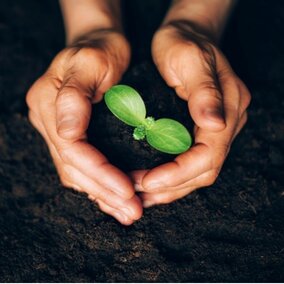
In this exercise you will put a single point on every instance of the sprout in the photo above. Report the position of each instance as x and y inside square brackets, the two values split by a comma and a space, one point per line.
[166, 135]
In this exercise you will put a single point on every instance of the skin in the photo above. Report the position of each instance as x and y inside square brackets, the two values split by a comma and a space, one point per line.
[60, 106]
[185, 52]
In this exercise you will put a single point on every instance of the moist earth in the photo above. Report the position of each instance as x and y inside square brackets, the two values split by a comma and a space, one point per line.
[114, 138]
[232, 231]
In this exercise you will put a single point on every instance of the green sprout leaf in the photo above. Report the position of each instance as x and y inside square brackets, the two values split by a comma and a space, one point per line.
[139, 132]
[165, 135]
[126, 104]
[169, 136]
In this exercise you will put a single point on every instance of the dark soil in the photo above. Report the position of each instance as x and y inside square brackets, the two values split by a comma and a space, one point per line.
[232, 231]
[115, 138]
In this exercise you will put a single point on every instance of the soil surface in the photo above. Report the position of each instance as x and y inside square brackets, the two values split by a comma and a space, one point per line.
[115, 138]
[230, 232]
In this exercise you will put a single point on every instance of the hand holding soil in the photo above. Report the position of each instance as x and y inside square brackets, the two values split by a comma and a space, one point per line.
[61, 100]
[60, 108]
[217, 102]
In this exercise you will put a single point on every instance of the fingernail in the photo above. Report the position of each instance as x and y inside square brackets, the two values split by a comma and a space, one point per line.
[214, 114]
[147, 203]
[138, 187]
[121, 217]
[67, 124]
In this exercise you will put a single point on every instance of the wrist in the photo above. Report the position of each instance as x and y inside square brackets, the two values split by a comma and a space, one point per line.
[110, 43]
[209, 16]
[85, 16]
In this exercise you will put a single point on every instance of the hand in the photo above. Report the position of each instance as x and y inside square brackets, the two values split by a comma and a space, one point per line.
[217, 100]
[60, 108]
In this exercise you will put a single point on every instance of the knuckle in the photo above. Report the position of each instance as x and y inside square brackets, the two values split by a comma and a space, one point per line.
[68, 178]
[93, 198]
[244, 93]
[102, 197]
[64, 181]
[35, 97]
[244, 118]
[211, 177]
[30, 99]
[247, 99]
[65, 174]
[102, 206]
[32, 94]
[221, 152]
[64, 154]
[34, 120]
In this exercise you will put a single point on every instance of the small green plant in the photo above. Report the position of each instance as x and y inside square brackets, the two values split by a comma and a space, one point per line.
[166, 135]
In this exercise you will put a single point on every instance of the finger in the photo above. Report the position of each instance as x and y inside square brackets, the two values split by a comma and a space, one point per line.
[118, 215]
[131, 207]
[93, 164]
[137, 178]
[209, 152]
[242, 122]
[193, 74]
[151, 199]
[203, 180]
[73, 111]
[185, 167]
[80, 154]
[245, 97]
[131, 210]
[171, 194]
[207, 92]
[205, 105]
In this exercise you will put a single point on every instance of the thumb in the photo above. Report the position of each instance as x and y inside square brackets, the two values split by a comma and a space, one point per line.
[203, 93]
[194, 76]
[73, 111]
[205, 103]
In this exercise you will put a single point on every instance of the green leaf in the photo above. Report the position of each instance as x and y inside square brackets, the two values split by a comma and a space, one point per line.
[169, 136]
[126, 104]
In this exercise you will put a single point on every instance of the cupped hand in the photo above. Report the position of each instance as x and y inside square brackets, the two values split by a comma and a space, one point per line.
[60, 109]
[190, 62]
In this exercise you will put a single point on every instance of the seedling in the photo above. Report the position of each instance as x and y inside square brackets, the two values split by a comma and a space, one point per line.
[166, 135]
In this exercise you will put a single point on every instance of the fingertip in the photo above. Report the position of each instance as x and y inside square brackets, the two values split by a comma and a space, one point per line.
[122, 218]
[137, 208]
[117, 214]
[120, 183]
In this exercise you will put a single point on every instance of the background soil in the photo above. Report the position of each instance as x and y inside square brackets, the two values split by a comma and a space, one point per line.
[232, 231]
